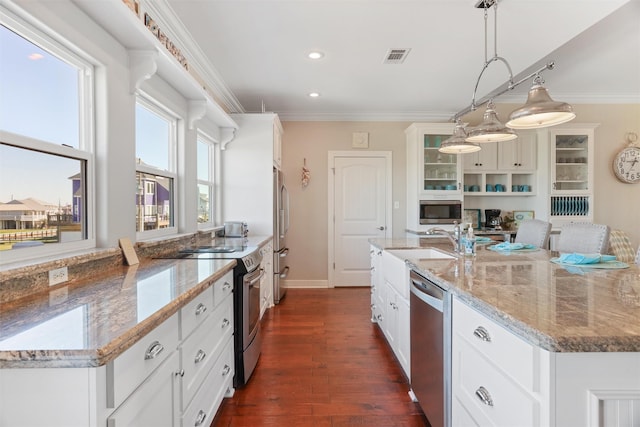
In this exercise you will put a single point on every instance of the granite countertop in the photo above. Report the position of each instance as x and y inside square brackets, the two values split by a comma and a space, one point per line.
[558, 308]
[90, 323]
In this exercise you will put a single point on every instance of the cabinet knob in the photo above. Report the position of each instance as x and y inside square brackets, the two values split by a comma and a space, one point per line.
[482, 334]
[484, 396]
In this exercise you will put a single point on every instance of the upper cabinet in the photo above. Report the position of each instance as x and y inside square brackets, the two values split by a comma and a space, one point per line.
[519, 155]
[484, 160]
[430, 173]
[571, 173]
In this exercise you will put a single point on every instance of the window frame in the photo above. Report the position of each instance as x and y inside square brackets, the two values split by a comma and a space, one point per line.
[63, 51]
[211, 182]
[161, 110]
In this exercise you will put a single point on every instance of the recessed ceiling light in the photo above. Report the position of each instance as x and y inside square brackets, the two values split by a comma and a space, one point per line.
[315, 55]
[35, 56]
[314, 94]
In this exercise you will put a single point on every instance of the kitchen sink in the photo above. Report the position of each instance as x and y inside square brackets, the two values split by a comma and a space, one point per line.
[423, 253]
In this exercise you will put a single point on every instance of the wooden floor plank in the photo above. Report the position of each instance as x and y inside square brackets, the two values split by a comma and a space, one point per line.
[323, 363]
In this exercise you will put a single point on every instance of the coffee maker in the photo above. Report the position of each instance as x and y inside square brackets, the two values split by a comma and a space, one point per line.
[492, 218]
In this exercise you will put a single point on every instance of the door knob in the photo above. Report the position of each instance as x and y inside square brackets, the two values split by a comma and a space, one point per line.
[381, 228]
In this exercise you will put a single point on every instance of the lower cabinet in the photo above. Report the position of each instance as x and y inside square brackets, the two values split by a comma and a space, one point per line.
[266, 283]
[176, 375]
[390, 305]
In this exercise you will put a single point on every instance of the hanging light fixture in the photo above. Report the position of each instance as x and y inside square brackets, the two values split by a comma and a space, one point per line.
[540, 110]
[457, 143]
[491, 130]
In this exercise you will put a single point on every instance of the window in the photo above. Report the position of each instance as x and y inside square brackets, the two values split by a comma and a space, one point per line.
[46, 144]
[155, 168]
[206, 188]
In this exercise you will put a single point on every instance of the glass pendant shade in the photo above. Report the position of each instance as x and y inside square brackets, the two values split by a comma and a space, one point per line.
[457, 143]
[491, 130]
[540, 111]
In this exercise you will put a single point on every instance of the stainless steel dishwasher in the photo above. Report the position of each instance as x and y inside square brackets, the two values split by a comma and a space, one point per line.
[431, 349]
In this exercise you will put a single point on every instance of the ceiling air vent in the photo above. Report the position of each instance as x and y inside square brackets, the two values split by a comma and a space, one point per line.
[396, 56]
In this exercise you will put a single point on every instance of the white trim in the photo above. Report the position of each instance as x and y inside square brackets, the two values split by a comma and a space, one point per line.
[332, 155]
[210, 182]
[306, 284]
[386, 116]
[597, 396]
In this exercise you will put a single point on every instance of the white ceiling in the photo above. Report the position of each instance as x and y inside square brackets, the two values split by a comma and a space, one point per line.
[258, 50]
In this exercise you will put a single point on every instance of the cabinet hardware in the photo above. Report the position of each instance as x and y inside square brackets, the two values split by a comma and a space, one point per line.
[153, 351]
[225, 323]
[484, 396]
[199, 356]
[180, 373]
[200, 418]
[482, 334]
[226, 286]
[201, 308]
[226, 370]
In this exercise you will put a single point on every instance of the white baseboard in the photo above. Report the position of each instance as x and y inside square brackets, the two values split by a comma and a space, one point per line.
[302, 284]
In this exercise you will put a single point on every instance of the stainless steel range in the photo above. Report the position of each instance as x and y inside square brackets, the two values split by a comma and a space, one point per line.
[246, 301]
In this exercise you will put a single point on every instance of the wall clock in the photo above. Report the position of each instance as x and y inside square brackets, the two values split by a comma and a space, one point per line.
[626, 163]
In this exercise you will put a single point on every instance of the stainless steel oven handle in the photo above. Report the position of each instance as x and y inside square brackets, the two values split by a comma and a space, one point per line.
[284, 273]
[284, 252]
[257, 279]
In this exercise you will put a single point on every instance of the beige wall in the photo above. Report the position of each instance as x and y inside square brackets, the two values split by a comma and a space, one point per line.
[617, 204]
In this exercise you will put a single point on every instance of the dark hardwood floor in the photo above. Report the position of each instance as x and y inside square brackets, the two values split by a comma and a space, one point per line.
[323, 363]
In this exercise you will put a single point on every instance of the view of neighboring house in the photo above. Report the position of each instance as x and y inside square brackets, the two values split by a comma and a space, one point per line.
[28, 213]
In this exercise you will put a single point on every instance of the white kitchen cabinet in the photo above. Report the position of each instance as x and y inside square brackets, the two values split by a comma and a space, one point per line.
[520, 154]
[497, 378]
[266, 283]
[484, 160]
[572, 151]
[431, 175]
[247, 172]
[377, 299]
[184, 363]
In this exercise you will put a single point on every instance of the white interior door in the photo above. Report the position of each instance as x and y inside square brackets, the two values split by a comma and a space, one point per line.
[361, 210]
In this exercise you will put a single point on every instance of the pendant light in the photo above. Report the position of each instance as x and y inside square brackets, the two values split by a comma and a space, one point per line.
[491, 130]
[457, 143]
[540, 110]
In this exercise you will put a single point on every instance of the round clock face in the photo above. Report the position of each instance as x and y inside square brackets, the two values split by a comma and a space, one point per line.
[626, 165]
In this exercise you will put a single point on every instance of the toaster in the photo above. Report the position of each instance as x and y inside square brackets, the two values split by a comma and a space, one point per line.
[235, 229]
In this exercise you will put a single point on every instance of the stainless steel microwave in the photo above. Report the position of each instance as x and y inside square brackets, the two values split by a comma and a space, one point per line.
[440, 211]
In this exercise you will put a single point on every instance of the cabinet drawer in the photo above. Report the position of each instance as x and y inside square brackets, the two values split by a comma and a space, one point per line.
[491, 397]
[202, 410]
[129, 370]
[223, 288]
[203, 348]
[151, 404]
[194, 313]
[513, 355]
[394, 271]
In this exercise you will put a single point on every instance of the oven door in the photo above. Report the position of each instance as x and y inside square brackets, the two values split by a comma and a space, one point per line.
[440, 211]
[251, 305]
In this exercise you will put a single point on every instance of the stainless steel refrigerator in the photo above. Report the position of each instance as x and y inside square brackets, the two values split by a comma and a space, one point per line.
[280, 228]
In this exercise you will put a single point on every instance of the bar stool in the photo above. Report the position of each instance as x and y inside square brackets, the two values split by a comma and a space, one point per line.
[534, 232]
[584, 237]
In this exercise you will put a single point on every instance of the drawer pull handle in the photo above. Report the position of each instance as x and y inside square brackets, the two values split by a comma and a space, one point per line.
[226, 370]
[379, 317]
[225, 323]
[200, 418]
[482, 334]
[200, 356]
[226, 286]
[180, 373]
[153, 351]
[201, 308]
[484, 396]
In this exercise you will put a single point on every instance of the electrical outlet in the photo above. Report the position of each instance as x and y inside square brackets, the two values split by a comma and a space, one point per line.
[59, 275]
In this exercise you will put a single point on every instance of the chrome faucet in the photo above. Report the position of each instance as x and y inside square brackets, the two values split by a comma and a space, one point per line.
[455, 240]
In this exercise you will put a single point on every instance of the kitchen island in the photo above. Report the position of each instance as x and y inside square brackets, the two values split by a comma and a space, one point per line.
[573, 346]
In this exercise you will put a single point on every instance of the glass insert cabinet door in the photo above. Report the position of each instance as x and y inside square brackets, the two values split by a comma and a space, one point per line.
[571, 158]
[440, 169]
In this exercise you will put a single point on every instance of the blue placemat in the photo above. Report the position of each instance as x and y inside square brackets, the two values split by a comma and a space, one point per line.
[611, 265]
[513, 247]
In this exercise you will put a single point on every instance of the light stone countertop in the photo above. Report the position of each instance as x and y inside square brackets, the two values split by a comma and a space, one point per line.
[88, 324]
[558, 308]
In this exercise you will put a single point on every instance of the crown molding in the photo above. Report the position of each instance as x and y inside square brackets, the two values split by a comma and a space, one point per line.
[166, 16]
[409, 116]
